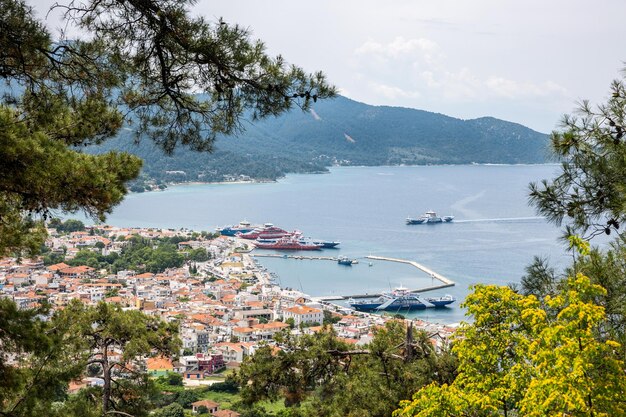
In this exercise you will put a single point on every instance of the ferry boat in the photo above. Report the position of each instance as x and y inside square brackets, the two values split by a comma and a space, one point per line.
[243, 227]
[430, 217]
[285, 243]
[325, 244]
[401, 299]
[268, 231]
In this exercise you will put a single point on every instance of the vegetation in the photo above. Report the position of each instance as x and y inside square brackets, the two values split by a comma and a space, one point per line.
[67, 226]
[556, 347]
[520, 357]
[139, 255]
[51, 353]
[330, 318]
[135, 67]
[589, 192]
[299, 143]
[327, 378]
[172, 410]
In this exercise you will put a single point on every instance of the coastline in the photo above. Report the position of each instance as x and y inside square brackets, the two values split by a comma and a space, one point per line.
[174, 184]
[341, 166]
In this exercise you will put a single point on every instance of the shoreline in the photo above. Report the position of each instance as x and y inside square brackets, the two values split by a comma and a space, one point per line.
[175, 184]
[267, 181]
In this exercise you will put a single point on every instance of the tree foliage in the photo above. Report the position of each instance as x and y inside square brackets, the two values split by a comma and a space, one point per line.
[141, 63]
[172, 410]
[334, 379]
[98, 331]
[34, 366]
[589, 193]
[141, 255]
[522, 357]
[42, 352]
[68, 226]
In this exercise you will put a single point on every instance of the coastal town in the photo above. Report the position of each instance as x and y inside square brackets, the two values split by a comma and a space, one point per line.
[226, 303]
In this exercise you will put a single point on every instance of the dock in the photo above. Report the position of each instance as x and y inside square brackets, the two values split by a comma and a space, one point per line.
[275, 255]
[443, 281]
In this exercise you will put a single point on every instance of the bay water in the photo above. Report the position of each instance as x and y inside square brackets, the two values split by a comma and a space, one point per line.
[494, 236]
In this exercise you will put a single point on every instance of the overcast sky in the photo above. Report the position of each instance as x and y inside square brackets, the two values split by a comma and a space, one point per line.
[524, 61]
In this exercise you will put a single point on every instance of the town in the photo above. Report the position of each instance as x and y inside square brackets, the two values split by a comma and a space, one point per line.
[226, 303]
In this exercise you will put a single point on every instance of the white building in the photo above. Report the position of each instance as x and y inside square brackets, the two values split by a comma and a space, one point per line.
[303, 314]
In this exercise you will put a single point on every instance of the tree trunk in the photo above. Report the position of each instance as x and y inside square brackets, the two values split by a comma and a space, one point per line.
[106, 375]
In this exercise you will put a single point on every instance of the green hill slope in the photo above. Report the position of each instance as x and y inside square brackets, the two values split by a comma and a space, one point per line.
[346, 132]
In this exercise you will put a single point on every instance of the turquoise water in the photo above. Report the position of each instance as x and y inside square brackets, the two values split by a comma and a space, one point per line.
[494, 236]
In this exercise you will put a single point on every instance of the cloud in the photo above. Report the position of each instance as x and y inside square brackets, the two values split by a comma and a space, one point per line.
[513, 89]
[392, 92]
[401, 48]
[407, 69]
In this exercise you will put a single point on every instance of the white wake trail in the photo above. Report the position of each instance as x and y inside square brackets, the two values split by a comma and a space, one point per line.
[503, 219]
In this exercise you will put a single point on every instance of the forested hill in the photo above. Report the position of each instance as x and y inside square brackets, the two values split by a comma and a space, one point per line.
[346, 132]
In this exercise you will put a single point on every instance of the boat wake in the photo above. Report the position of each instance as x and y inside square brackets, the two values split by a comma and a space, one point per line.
[503, 220]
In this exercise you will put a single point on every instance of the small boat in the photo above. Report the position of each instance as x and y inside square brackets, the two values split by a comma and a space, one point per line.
[344, 260]
[430, 217]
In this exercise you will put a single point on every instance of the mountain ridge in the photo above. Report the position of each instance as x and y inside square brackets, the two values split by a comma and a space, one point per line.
[341, 132]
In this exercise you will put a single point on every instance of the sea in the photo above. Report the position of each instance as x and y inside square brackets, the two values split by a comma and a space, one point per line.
[493, 238]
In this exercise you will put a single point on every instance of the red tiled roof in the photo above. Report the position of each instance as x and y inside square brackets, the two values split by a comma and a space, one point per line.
[303, 310]
[206, 403]
[56, 267]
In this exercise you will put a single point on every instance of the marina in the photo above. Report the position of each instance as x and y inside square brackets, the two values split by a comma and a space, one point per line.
[443, 281]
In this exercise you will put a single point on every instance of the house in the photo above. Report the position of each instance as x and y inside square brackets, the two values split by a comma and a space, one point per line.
[231, 352]
[79, 272]
[159, 365]
[268, 330]
[302, 314]
[257, 313]
[244, 334]
[210, 363]
[57, 267]
[211, 406]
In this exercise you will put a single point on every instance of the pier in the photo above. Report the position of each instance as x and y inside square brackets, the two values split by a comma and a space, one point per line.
[443, 281]
[275, 255]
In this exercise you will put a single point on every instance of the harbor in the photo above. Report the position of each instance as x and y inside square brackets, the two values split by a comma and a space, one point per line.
[442, 282]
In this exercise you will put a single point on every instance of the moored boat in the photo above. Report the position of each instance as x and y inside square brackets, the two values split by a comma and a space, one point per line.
[268, 231]
[325, 244]
[243, 227]
[285, 243]
[401, 299]
[344, 260]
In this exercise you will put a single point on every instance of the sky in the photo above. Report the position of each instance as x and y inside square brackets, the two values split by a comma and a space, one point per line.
[527, 61]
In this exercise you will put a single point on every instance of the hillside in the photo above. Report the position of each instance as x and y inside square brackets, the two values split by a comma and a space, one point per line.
[345, 132]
